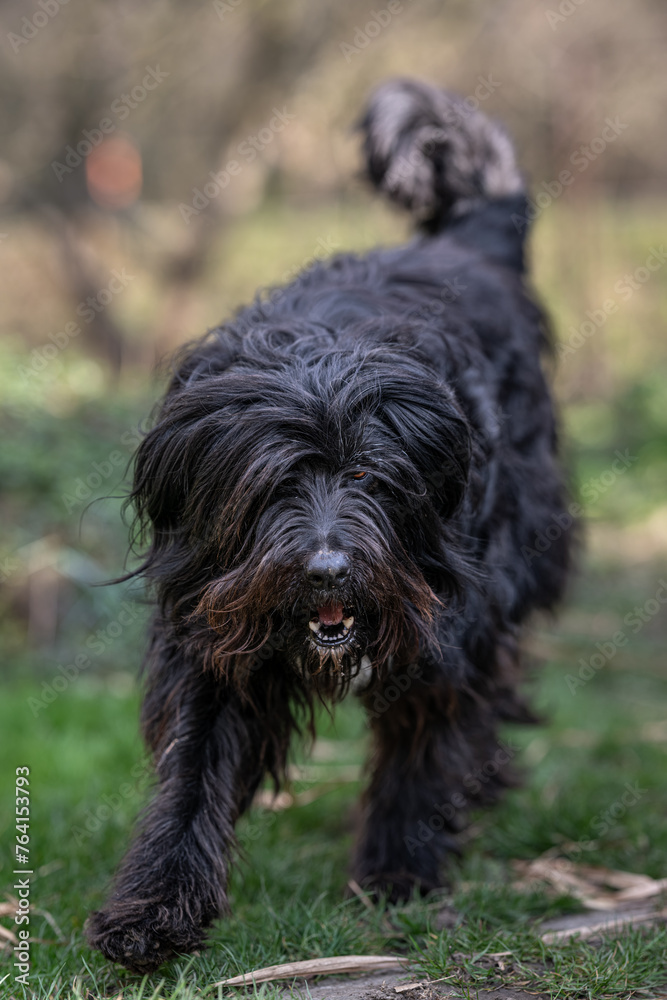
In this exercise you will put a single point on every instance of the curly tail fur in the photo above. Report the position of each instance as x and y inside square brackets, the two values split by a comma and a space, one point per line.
[430, 152]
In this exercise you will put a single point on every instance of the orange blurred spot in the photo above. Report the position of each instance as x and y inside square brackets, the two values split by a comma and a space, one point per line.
[113, 172]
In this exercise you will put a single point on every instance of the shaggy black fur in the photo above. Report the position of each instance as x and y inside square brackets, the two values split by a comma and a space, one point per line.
[341, 490]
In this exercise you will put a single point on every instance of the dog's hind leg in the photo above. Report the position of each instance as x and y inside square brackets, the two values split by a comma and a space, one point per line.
[211, 751]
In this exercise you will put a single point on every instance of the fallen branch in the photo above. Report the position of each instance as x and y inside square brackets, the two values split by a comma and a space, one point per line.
[416, 986]
[354, 887]
[612, 922]
[318, 967]
[588, 883]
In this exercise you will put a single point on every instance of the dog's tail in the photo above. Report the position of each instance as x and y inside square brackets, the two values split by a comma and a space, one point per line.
[434, 153]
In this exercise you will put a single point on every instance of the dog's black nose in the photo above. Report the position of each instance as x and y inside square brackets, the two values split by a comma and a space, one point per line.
[327, 568]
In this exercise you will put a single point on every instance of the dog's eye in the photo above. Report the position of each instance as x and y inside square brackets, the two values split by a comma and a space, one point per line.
[365, 479]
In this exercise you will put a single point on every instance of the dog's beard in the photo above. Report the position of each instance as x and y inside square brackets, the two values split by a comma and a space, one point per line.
[331, 638]
[335, 652]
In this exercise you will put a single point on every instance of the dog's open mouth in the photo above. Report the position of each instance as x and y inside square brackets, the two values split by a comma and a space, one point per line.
[331, 625]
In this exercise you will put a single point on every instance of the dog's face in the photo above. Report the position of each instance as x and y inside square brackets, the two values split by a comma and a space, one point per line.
[307, 503]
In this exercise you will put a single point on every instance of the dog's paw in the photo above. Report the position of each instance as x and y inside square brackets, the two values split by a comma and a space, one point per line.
[141, 938]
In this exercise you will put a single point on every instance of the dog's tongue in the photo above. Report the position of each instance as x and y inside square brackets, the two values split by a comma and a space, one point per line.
[330, 614]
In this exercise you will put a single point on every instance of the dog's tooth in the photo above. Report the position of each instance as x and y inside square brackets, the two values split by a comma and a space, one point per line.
[314, 626]
[348, 622]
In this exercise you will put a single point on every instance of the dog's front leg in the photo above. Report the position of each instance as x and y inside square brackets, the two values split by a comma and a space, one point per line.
[209, 753]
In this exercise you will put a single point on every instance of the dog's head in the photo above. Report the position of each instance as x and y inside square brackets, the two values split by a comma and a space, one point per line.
[299, 504]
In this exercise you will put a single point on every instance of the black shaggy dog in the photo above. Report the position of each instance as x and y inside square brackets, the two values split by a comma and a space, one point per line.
[343, 490]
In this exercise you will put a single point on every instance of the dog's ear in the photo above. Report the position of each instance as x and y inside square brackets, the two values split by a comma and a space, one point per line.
[211, 463]
[424, 416]
[161, 475]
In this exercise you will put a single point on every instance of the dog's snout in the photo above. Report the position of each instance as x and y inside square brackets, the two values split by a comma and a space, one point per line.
[327, 569]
